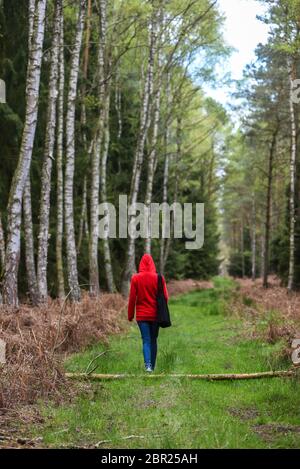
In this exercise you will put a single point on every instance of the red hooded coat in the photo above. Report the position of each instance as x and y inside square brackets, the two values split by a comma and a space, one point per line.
[143, 290]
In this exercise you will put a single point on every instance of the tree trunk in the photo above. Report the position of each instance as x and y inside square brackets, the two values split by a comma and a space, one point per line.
[70, 159]
[166, 171]
[96, 158]
[118, 105]
[139, 154]
[206, 377]
[27, 206]
[85, 68]
[2, 251]
[253, 243]
[44, 214]
[242, 247]
[82, 215]
[262, 252]
[107, 51]
[176, 189]
[59, 168]
[152, 158]
[83, 120]
[265, 254]
[106, 247]
[2, 244]
[31, 15]
[10, 281]
[291, 67]
[29, 245]
[83, 223]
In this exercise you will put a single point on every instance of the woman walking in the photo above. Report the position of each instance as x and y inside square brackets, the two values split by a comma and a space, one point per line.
[142, 301]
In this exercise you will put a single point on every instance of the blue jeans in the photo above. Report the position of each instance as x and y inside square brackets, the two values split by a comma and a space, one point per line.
[149, 332]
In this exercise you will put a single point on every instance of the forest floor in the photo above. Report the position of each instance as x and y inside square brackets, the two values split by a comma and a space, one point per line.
[207, 336]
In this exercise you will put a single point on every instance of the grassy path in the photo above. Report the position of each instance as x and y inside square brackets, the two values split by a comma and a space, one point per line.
[181, 413]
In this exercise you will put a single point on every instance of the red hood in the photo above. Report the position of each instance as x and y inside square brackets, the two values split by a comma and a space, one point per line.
[147, 264]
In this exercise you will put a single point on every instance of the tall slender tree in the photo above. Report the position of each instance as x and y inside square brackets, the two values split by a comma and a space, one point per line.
[70, 158]
[29, 245]
[44, 216]
[96, 156]
[59, 166]
[139, 153]
[292, 77]
[10, 281]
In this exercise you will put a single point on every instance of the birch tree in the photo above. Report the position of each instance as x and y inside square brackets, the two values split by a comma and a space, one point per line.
[162, 259]
[2, 244]
[59, 166]
[178, 156]
[27, 205]
[106, 139]
[70, 158]
[265, 253]
[96, 157]
[2, 251]
[139, 153]
[152, 157]
[10, 281]
[83, 223]
[44, 215]
[253, 239]
[292, 76]
[29, 245]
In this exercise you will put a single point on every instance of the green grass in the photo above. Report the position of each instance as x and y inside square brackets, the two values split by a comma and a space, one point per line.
[180, 413]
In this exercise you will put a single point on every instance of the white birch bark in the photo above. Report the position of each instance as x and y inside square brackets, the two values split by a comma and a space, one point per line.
[118, 105]
[176, 189]
[83, 222]
[27, 206]
[31, 15]
[85, 68]
[106, 246]
[166, 172]
[2, 244]
[253, 243]
[118, 108]
[108, 55]
[292, 179]
[139, 153]
[95, 161]
[242, 246]
[29, 245]
[44, 214]
[59, 167]
[152, 158]
[70, 159]
[83, 229]
[265, 254]
[10, 281]
[262, 252]
[2, 251]
[82, 215]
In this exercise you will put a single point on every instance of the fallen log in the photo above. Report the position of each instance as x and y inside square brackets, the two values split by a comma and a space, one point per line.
[207, 377]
